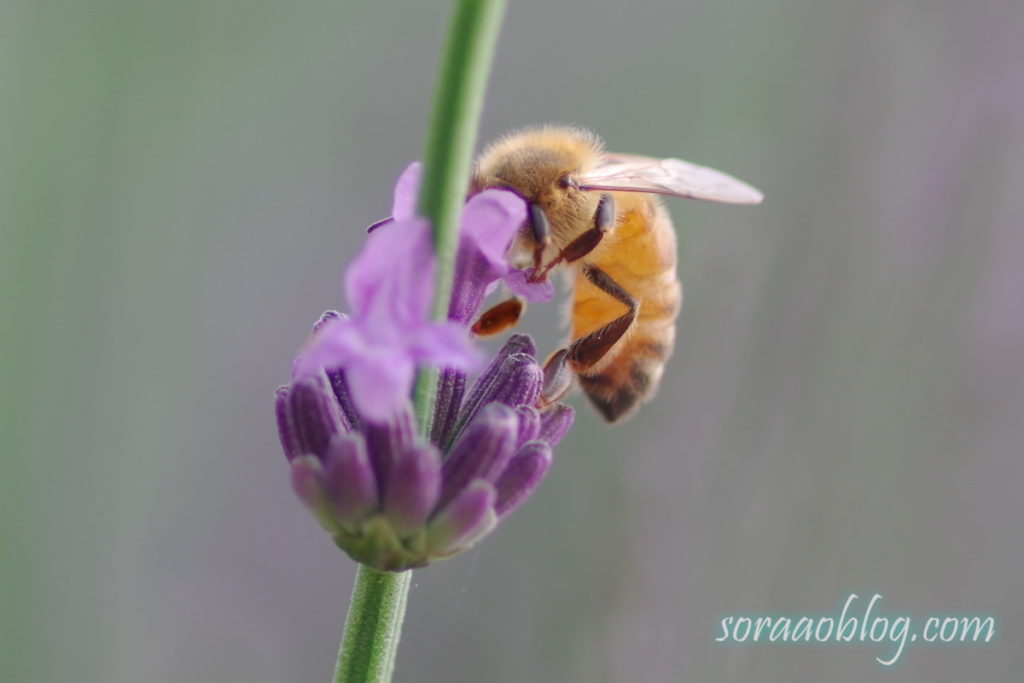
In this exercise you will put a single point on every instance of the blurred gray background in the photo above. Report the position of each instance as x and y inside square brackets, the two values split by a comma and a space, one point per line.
[181, 184]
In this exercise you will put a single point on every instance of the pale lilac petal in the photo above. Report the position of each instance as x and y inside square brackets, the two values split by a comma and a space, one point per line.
[326, 348]
[392, 278]
[490, 220]
[407, 191]
[534, 292]
[380, 384]
[444, 344]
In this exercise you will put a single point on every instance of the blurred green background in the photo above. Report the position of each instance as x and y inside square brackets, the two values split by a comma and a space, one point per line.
[181, 184]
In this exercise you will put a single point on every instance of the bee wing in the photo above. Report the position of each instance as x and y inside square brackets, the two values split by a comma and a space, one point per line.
[673, 177]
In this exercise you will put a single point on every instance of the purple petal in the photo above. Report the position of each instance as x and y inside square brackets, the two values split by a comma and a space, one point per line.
[380, 384]
[391, 281]
[523, 474]
[445, 344]
[469, 517]
[314, 415]
[555, 422]
[482, 452]
[349, 479]
[535, 292]
[326, 348]
[490, 220]
[413, 487]
[407, 191]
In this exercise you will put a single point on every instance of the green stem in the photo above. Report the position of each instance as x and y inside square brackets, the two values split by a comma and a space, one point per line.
[375, 615]
[373, 626]
[458, 101]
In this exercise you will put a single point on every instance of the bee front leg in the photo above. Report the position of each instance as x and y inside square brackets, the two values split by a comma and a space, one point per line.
[604, 221]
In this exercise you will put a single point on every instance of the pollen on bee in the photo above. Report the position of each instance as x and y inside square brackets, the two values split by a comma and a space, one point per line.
[499, 317]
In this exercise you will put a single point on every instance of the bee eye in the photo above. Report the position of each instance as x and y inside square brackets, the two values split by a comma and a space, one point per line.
[568, 182]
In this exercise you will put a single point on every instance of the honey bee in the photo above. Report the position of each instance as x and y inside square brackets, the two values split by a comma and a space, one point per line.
[598, 215]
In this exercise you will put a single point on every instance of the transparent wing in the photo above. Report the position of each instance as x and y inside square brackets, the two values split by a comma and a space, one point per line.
[673, 177]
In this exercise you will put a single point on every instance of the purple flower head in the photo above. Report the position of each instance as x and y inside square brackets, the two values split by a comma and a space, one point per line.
[393, 501]
[389, 498]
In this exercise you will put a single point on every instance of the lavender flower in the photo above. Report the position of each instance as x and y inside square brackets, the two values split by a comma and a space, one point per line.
[389, 498]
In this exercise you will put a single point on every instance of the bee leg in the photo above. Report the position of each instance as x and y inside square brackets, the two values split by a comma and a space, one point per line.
[604, 220]
[499, 317]
[604, 217]
[586, 351]
[540, 228]
[557, 379]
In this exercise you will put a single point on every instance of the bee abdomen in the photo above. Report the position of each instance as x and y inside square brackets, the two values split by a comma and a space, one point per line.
[630, 379]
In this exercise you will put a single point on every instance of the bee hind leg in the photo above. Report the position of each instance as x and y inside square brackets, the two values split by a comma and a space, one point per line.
[557, 379]
[589, 349]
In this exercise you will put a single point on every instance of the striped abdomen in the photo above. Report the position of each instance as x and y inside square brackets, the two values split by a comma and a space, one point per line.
[639, 255]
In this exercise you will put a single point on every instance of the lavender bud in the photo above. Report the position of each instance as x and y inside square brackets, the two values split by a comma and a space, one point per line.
[385, 440]
[341, 391]
[555, 423]
[529, 424]
[517, 343]
[307, 481]
[467, 518]
[413, 488]
[349, 479]
[450, 388]
[516, 382]
[285, 425]
[523, 474]
[482, 452]
[314, 416]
